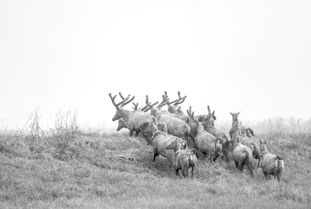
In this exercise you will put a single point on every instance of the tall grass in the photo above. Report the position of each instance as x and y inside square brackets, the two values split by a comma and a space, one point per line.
[283, 126]
[277, 126]
[69, 168]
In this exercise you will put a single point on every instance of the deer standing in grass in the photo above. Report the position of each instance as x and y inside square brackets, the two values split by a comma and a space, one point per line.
[134, 118]
[237, 129]
[173, 106]
[175, 126]
[271, 164]
[205, 142]
[241, 155]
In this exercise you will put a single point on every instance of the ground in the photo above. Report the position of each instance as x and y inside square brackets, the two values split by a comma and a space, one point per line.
[113, 170]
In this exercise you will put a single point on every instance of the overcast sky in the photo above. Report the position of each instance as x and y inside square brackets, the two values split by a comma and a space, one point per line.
[249, 56]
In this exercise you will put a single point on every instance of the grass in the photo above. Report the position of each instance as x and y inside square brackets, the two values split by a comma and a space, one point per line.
[113, 170]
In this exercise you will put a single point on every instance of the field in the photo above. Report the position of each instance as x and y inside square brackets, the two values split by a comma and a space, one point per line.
[75, 169]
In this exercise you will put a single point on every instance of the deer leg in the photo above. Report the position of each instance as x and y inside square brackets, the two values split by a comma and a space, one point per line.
[193, 168]
[242, 166]
[215, 158]
[266, 175]
[155, 153]
[236, 164]
[185, 173]
[278, 176]
[250, 169]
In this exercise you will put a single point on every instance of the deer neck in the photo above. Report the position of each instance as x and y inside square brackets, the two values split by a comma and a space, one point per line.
[209, 126]
[200, 129]
[156, 113]
[235, 124]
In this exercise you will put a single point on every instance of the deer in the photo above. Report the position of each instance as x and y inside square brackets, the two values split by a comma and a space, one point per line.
[271, 164]
[173, 106]
[209, 125]
[185, 159]
[133, 118]
[124, 124]
[241, 155]
[205, 142]
[175, 126]
[162, 142]
[237, 129]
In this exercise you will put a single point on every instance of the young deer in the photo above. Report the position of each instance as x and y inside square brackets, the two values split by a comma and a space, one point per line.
[237, 129]
[271, 164]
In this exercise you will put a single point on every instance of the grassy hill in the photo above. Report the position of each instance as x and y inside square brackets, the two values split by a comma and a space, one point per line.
[113, 170]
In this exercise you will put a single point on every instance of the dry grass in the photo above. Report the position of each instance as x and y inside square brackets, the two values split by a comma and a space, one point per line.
[72, 169]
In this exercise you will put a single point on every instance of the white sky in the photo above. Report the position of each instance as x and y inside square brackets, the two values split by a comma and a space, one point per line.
[253, 56]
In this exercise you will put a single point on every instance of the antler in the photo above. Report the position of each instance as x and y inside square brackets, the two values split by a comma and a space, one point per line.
[123, 102]
[113, 100]
[127, 100]
[121, 95]
[180, 99]
[135, 106]
[148, 104]
[191, 115]
[165, 98]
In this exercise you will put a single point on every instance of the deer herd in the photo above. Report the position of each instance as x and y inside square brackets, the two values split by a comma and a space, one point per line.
[181, 137]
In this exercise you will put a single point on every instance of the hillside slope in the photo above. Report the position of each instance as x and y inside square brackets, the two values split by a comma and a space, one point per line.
[116, 171]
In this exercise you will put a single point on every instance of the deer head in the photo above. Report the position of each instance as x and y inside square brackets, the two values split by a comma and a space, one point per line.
[121, 124]
[119, 113]
[235, 117]
[174, 104]
[208, 123]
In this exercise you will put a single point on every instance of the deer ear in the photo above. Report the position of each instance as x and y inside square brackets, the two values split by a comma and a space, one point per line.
[231, 113]
[213, 114]
[238, 112]
[208, 108]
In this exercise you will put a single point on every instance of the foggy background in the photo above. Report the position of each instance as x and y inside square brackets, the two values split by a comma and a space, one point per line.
[248, 56]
